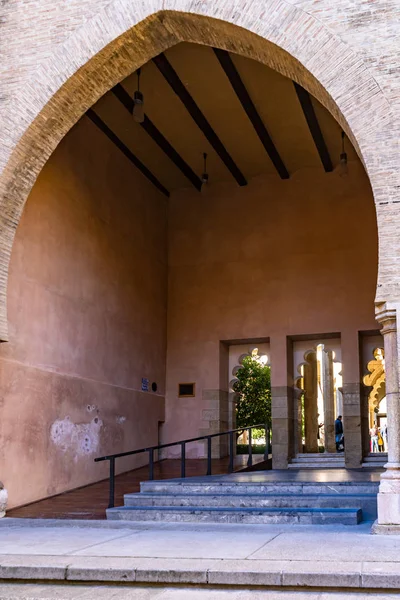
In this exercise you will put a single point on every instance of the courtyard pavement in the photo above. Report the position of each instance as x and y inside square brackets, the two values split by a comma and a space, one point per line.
[324, 557]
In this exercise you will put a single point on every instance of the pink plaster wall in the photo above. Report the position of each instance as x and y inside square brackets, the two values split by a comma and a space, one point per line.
[87, 315]
[270, 260]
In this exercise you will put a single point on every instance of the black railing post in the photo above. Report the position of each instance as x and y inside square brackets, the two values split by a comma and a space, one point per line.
[231, 452]
[112, 483]
[182, 443]
[266, 453]
[209, 441]
[151, 464]
[250, 459]
[183, 459]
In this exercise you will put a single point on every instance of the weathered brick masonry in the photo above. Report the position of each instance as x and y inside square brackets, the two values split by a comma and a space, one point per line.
[58, 58]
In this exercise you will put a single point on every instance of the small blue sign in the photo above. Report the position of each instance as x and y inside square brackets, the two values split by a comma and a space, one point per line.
[145, 384]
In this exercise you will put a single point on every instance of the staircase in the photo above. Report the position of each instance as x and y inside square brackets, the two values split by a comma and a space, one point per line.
[233, 499]
[375, 459]
[318, 460]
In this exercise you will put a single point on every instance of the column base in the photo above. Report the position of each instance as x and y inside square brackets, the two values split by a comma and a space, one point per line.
[385, 529]
[389, 497]
[3, 500]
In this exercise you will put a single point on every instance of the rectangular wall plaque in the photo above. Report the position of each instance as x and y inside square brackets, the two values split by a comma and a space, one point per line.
[186, 390]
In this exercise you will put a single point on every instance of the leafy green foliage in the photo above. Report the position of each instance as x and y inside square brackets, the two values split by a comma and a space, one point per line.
[254, 390]
[256, 448]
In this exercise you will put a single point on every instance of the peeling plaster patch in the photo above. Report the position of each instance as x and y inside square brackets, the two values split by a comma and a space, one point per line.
[79, 438]
[120, 420]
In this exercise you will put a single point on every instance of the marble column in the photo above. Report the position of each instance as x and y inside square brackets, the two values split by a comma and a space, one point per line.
[389, 489]
[3, 500]
[311, 402]
[329, 400]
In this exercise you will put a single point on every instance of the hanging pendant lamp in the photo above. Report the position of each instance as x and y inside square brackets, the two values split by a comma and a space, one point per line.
[138, 102]
[204, 177]
[343, 166]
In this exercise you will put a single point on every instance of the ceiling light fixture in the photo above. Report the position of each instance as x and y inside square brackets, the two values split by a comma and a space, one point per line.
[343, 166]
[204, 177]
[138, 108]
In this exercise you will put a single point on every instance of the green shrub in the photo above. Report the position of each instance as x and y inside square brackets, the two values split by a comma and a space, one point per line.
[244, 449]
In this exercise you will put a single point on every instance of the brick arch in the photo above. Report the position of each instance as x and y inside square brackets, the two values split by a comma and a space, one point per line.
[127, 33]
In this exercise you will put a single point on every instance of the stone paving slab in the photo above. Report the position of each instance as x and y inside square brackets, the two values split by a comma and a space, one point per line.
[80, 592]
[239, 556]
[233, 573]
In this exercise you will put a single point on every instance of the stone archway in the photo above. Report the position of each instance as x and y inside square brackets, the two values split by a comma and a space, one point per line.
[124, 35]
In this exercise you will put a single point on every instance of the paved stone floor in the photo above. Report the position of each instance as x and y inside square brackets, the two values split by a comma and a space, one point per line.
[188, 541]
[204, 555]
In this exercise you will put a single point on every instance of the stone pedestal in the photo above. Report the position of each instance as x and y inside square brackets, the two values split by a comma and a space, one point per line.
[282, 426]
[281, 352]
[3, 500]
[389, 489]
[215, 418]
[352, 394]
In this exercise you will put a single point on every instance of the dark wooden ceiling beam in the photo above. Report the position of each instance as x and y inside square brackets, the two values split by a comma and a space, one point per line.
[156, 135]
[240, 89]
[125, 150]
[171, 76]
[313, 125]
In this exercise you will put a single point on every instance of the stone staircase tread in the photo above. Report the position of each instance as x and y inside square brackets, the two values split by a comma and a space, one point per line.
[313, 466]
[318, 454]
[300, 489]
[252, 495]
[234, 509]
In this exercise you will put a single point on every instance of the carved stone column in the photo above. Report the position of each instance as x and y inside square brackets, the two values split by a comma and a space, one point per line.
[311, 402]
[3, 500]
[389, 489]
[297, 420]
[329, 400]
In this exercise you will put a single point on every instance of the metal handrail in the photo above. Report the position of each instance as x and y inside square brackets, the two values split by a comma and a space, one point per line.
[182, 443]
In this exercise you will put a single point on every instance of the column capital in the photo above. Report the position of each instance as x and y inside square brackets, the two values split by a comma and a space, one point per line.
[386, 314]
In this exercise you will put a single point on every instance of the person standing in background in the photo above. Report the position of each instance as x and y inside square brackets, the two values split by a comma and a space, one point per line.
[373, 432]
[339, 437]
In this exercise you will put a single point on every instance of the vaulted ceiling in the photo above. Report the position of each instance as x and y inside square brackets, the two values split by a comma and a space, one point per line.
[249, 119]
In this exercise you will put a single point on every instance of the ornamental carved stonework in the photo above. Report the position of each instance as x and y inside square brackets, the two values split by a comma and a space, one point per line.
[376, 380]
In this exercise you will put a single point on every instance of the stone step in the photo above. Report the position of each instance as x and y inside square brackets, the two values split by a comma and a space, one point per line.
[186, 486]
[209, 514]
[367, 502]
[316, 465]
[317, 454]
[376, 458]
[319, 461]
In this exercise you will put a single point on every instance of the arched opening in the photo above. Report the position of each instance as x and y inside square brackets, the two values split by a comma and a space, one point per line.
[123, 251]
[375, 383]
